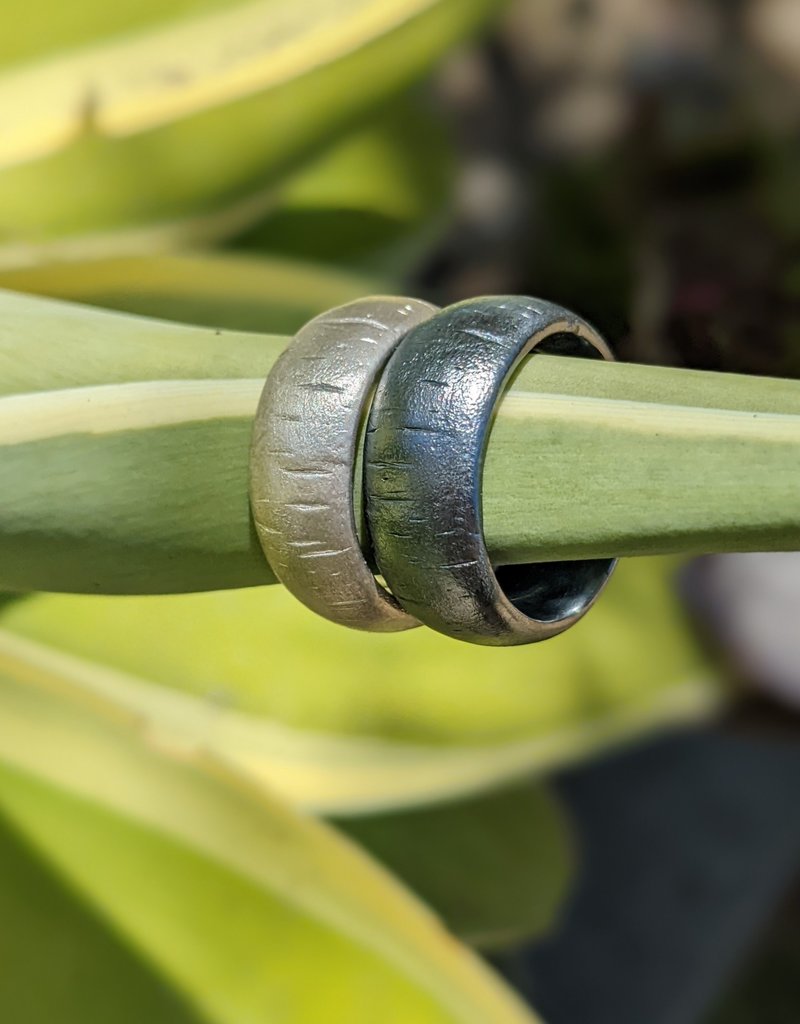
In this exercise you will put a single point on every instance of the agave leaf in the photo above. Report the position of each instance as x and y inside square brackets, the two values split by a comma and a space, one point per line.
[40, 28]
[142, 487]
[130, 83]
[49, 931]
[398, 166]
[513, 859]
[48, 345]
[381, 734]
[496, 867]
[226, 290]
[99, 549]
[349, 723]
[378, 193]
[162, 132]
[378, 198]
[230, 894]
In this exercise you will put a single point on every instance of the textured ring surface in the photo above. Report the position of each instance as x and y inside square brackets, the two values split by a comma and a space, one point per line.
[303, 454]
[426, 441]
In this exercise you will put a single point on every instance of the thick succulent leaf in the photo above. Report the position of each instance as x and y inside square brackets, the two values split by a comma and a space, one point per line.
[47, 345]
[249, 910]
[226, 290]
[345, 722]
[379, 198]
[48, 931]
[143, 487]
[324, 716]
[179, 134]
[38, 29]
[99, 486]
[398, 166]
[377, 195]
[496, 867]
[131, 82]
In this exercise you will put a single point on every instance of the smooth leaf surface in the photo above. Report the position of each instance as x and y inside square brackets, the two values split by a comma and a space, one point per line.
[224, 290]
[46, 345]
[255, 89]
[147, 78]
[348, 723]
[228, 894]
[379, 198]
[40, 28]
[496, 867]
[49, 931]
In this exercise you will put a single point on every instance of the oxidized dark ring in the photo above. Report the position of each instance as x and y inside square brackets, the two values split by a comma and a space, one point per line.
[425, 446]
[303, 454]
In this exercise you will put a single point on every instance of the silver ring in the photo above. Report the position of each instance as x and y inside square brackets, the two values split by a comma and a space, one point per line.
[425, 446]
[303, 454]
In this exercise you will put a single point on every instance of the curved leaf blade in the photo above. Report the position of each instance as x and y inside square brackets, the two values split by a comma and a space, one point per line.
[496, 867]
[149, 191]
[139, 82]
[347, 723]
[143, 488]
[378, 198]
[223, 887]
[48, 931]
[224, 290]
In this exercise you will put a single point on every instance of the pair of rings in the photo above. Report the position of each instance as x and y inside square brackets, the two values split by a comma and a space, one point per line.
[417, 388]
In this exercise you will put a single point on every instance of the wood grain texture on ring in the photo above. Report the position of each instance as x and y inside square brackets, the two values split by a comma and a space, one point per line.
[426, 440]
[303, 454]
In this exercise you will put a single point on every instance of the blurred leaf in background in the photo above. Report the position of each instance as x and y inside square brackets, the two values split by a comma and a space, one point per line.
[215, 289]
[47, 928]
[322, 716]
[245, 909]
[175, 125]
[497, 867]
[379, 199]
[346, 723]
[375, 201]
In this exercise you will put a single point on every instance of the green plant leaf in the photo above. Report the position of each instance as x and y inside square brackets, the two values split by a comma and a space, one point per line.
[38, 29]
[350, 723]
[177, 135]
[226, 290]
[229, 895]
[142, 486]
[377, 199]
[323, 716]
[495, 867]
[48, 931]
[49, 345]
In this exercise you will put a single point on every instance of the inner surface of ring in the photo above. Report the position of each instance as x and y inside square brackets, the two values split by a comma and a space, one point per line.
[551, 591]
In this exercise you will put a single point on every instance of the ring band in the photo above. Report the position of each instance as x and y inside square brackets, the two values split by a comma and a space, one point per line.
[303, 454]
[425, 446]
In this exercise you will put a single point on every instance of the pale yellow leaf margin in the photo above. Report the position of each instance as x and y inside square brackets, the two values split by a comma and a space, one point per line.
[202, 805]
[326, 773]
[128, 85]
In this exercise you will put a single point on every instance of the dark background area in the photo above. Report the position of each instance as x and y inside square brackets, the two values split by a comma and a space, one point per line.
[640, 160]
